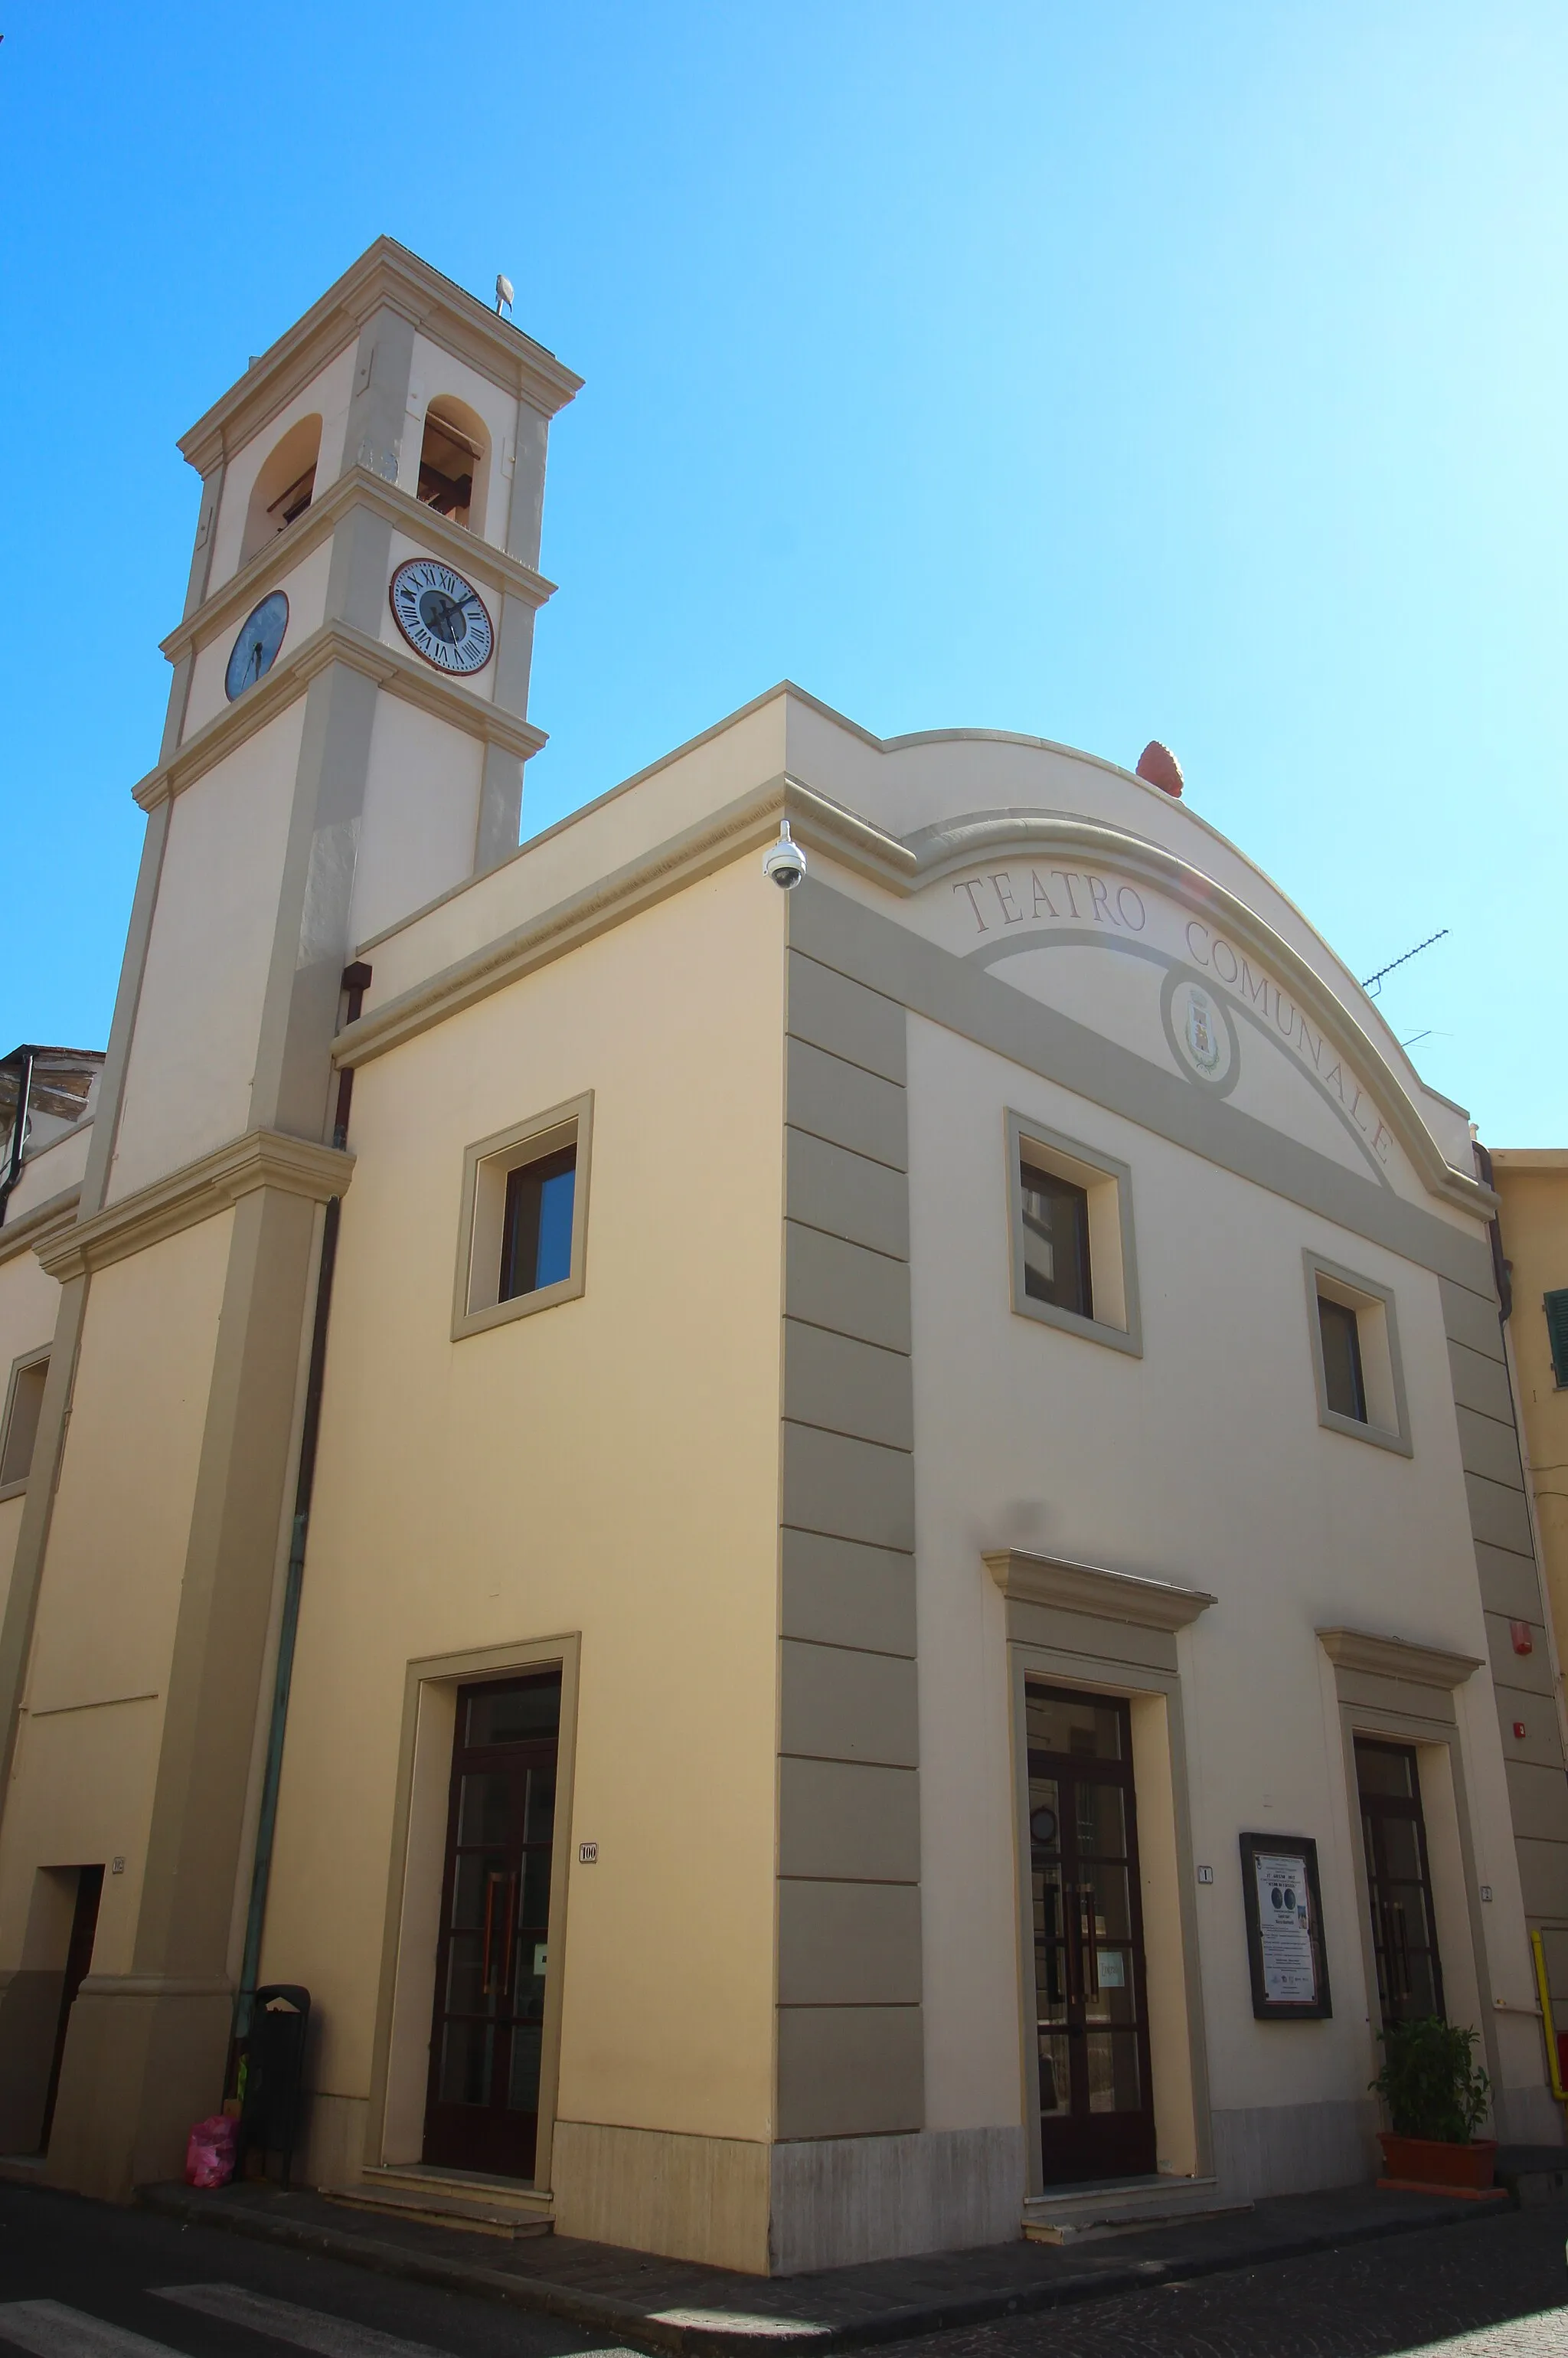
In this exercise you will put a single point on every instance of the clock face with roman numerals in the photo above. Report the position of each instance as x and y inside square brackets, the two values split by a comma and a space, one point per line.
[442, 616]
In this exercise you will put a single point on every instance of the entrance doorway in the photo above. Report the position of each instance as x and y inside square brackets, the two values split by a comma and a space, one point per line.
[1097, 2107]
[1399, 1881]
[78, 1960]
[481, 2109]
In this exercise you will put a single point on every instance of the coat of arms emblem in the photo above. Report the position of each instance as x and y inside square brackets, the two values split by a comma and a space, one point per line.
[1203, 1033]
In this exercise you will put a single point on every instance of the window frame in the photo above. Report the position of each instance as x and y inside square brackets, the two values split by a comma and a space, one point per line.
[1112, 1257]
[488, 1162]
[1378, 1342]
[41, 1353]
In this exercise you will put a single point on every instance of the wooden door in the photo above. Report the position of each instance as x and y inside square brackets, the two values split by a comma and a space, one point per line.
[481, 2109]
[1096, 2110]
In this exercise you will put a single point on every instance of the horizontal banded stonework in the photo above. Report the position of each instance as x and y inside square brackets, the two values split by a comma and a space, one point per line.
[1511, 1592]
[850, 2046]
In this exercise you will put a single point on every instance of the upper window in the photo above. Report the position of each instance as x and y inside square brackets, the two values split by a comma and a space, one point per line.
[536, 1224]
[522, 1242]
[284, 488]
[1056, 1240]
[450, 457]
[24, 1402]
[1345, 1386]
[1071, 1211]
[1356, 1357]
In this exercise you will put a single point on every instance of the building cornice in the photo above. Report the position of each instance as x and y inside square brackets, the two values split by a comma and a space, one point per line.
[36, 1231]
[1074, 1588]
[385, 276]
[263, 1157]
[491, 567]
[400, 674]
[741, 826]
[1397, 1658]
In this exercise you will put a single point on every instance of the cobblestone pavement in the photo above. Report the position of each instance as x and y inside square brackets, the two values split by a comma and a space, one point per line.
[1497, 2288]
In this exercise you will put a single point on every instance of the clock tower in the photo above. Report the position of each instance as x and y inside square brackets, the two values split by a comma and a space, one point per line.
[346, 734]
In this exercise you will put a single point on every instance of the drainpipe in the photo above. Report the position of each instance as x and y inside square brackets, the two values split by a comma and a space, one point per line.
[356, 982]
[22, 1059]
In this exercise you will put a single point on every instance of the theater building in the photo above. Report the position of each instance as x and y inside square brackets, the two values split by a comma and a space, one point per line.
[840, 1567]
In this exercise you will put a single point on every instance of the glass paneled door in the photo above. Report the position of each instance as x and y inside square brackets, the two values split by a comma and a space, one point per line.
[1096, 2112]
[481, 2111]
[1399, 1882]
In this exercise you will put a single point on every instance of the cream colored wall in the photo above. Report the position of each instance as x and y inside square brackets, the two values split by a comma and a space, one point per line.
[50, 1173]
[1535, 1238]
[609, 1465]
[30, 1303]
[188, 1086]
[329, 392]
[93, 1706]
[1201, 1463]
[421, 815]
[305, 586]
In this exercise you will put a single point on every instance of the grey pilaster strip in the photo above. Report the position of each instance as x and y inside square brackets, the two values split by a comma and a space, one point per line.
[310, 943]
[384, 364]
[205, 1755]
[850, 2046]
[1511, 1593]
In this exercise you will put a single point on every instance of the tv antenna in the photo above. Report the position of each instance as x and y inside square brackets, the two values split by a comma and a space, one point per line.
[1372, 985]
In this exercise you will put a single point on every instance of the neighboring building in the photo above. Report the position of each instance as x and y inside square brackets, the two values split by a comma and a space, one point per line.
[1533, 1219]
[864, 1476]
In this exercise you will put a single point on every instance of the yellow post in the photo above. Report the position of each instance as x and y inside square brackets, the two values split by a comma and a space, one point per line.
[1558, 2090]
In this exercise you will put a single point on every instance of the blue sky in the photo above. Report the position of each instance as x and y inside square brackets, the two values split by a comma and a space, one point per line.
[1099, 371]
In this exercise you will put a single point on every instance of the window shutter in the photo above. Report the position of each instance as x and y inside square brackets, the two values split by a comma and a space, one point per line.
[1556, 1308]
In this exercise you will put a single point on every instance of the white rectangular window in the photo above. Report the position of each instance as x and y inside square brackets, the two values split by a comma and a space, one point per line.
[1070, 1210]
[523, 1235]
[1356, 1356]
[24, 1402]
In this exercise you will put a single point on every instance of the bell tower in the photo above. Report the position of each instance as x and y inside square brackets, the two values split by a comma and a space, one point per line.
[347, 727]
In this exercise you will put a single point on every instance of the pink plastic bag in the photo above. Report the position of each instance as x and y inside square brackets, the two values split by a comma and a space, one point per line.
[209, 2157]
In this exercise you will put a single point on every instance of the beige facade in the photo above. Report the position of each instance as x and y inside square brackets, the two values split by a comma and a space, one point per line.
[796, 1465]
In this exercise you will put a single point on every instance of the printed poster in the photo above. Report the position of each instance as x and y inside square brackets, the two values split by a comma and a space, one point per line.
[1285, 1927]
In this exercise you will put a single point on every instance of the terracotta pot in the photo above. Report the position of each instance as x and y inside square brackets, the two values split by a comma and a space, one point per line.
[1428, 2161]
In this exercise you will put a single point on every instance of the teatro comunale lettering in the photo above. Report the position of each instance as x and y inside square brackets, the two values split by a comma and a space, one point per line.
[1080, 900]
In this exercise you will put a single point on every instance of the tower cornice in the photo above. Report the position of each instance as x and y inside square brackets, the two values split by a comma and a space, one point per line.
[385, 276]
[480, 559]
[335, 642]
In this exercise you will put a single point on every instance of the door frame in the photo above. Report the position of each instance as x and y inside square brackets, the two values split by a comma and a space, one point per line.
[1177, 2041]
[1126, 1783]
[407, 1988]
[1435, 1736]
[1410, 1692]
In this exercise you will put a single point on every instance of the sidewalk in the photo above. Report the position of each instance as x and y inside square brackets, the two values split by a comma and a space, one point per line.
[639, 2299]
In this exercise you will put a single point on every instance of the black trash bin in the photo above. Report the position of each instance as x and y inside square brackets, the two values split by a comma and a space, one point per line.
[273, 2067]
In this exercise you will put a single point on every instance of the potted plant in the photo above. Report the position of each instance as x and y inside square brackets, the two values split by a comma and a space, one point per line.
[1437, 2098]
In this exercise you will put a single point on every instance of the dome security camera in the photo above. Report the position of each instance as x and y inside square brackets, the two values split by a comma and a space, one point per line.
[785, 861]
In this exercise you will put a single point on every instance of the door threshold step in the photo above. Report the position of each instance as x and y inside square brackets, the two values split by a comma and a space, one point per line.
[477, 2206]
[1081, 2215]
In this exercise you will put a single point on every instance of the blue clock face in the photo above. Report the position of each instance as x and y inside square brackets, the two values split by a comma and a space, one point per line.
[255, 649]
